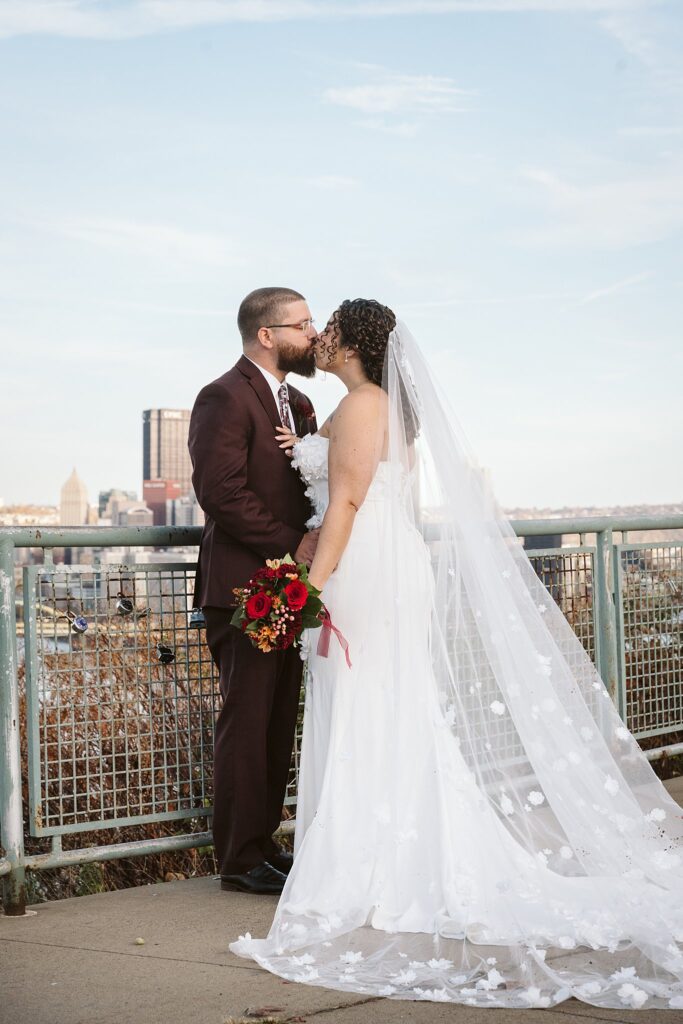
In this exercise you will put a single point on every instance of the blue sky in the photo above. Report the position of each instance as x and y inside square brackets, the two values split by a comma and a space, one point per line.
[506, 174]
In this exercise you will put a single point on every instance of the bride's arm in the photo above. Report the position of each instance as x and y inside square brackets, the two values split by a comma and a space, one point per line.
[356, 441]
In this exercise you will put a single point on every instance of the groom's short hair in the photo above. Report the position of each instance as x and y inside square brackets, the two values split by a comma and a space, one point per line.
[263, 307]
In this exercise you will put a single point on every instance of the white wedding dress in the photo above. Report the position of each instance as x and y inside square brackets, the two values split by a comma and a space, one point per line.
[421, 870]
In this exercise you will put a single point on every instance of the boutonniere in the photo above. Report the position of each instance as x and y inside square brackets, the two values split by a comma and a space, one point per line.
[301, 405]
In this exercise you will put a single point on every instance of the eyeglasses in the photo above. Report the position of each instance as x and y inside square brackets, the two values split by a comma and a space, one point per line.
[304, 326]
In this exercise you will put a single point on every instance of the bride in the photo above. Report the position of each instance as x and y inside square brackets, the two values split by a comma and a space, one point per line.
[474, 822]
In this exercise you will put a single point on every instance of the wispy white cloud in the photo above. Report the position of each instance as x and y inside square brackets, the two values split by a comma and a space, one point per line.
[611, 214]
[401, 129]
[486, 300]
[332, 182]
[100, 19]
[618, 286]
[650, 131]
[169, 310]
[645, 34]
[159, 241]
[633, 33]
[393, 93]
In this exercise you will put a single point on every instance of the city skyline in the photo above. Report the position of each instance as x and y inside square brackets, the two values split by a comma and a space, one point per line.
[123, 498]
[506, 174]
[165, 454]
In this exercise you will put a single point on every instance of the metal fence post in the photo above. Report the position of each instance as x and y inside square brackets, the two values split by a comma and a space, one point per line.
[608, 661]
[11, 817]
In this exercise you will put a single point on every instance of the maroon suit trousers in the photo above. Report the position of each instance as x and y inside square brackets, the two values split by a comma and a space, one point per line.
[252, 744]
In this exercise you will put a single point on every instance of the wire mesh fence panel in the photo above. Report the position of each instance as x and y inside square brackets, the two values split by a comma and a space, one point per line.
[122, 693]
[568, 575]
[121, 696]
[650, 604]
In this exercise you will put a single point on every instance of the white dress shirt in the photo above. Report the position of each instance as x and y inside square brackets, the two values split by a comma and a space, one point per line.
[275, 386]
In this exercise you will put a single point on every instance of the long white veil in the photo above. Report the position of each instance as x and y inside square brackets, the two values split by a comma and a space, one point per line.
[530, 712]
[520, 849]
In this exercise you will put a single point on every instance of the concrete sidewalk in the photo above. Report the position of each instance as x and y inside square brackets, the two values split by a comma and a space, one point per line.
[77, 962]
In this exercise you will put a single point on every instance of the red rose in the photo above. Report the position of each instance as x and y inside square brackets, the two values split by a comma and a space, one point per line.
[297, 594]
[258, 605]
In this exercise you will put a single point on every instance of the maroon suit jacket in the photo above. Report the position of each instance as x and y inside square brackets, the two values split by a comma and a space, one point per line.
[254, 501]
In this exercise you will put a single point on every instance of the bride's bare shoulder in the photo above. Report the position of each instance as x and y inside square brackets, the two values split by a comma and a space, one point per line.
[367, 399]
[361, 410]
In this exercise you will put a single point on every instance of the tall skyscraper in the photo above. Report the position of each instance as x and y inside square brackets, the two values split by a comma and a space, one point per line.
[164, 446]
[73, 502]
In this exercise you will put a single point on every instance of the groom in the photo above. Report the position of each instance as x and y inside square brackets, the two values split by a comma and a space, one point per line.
[255, 509]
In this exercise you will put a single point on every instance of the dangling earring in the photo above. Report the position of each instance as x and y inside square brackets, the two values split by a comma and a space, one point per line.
[346, 356]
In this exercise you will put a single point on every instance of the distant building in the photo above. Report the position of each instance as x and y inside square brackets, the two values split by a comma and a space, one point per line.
[164, 446]
[184, 511]
[118, 505]
[120, 509]
[73, 502]
[156, 494]
[136, 515]
[106, 498]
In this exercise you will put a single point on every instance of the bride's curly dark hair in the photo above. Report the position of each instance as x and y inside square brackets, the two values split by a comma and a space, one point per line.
[365, 325]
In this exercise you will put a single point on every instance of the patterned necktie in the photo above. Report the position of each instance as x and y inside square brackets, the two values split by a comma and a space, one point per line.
[285, 412]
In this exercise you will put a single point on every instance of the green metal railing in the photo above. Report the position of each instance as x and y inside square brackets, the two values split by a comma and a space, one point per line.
[115, 693]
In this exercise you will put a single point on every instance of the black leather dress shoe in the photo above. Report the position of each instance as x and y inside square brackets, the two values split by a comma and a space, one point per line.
[282, 861]
[264, 878]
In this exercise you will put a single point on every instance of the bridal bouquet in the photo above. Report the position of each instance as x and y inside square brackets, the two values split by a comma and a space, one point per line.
[277, 605]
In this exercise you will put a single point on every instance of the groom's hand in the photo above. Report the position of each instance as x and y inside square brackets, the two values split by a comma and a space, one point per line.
[306, 549]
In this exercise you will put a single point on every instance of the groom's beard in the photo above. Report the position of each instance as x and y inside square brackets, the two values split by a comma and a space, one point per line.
[291, 359]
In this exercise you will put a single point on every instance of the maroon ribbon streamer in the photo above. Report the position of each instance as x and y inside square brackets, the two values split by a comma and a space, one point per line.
[324, 639]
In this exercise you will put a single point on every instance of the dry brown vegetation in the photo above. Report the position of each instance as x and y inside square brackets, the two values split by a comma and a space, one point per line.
[121, 734]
